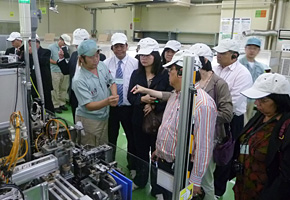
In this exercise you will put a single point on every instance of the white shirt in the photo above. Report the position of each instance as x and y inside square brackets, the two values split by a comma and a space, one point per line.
[239, 79]
[129, 64]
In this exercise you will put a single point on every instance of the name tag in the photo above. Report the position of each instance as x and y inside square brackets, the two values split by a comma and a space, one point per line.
[244, 149]
[119, 81]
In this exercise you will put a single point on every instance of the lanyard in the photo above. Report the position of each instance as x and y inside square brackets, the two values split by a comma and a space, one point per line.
[252, 131]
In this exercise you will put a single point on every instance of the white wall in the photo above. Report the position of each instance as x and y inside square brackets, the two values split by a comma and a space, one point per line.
[69, 18]
[193, 19]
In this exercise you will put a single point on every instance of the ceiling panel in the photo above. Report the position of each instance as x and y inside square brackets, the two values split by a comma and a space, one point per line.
[80, 1]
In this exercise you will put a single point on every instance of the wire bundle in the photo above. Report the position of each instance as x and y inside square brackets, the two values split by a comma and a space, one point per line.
[16, 121]
[58, 122]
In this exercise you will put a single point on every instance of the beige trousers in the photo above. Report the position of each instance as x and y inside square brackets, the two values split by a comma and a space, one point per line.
[96, 132]
[60, 84]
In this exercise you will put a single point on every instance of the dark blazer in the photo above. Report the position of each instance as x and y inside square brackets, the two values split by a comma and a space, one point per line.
[20, 53]
[10, 50]
[44, 63]
[277, 160]
[160, 82]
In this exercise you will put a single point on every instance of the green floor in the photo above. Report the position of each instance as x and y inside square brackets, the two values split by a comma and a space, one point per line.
[139, 194]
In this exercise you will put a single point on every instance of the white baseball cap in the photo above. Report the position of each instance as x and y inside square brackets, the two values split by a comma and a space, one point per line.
[80, 35]
[14, 36]
[119, 38]
[266, 84]
[147, 45]
[201, 49]
[179, 56]
[227, 45]
[66, 38]
[173, 44]
[36, 37]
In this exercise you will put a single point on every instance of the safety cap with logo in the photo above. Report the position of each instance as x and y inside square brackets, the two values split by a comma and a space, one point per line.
[119, 38]
[66, 38]
[227, 45]
[201, 49]
[14, 36]
[147, 45]
[254, 41]
[80, 35]
[266, 84]
[173, 44]
[88, 48]
[178, 59]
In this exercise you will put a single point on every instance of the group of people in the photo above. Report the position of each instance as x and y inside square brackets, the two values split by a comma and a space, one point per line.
[125, 90]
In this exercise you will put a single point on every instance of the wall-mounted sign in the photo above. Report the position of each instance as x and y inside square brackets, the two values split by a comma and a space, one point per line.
[261, 13]
[11, 14]
[43, 10]
[24, 1]
[136, 19]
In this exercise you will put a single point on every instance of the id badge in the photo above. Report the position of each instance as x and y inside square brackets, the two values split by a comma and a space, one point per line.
[244, 149]
[119, 81]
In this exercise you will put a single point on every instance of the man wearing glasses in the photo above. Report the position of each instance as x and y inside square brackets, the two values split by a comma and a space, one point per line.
[238, 79]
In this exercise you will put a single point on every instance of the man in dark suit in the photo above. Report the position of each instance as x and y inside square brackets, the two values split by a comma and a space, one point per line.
[70, 67]
[17, 47]
[44, 64]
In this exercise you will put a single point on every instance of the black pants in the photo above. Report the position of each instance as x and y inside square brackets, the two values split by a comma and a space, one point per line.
[74, 104]
[143, 144]
[222, 173]
[123, 115]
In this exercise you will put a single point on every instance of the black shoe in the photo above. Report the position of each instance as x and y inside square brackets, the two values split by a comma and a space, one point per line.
[63, 108]
[58, 110]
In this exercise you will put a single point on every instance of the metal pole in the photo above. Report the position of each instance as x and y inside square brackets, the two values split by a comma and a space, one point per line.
[25, 30]
[234, 15]
[185, 121]
[94, 31]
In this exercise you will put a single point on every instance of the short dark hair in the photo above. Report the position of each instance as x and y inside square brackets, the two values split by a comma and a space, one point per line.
[253, 45]
[156, 64]
[235, 52]
[282, 102]
[163, 60]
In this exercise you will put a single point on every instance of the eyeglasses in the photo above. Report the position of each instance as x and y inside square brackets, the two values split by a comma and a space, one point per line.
[145, 56]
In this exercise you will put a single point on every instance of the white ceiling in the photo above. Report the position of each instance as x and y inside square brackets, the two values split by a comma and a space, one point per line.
[80, 1]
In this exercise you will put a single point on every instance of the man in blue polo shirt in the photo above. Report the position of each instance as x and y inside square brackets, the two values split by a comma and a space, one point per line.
[256, 68]
[95, 90]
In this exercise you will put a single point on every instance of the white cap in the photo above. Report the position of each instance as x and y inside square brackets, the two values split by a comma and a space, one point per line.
[201, 49]
[173, 44]
[147, 45]
[14, 36]
[66, 38]
[266, 84]
[119, 38]
[227, 45]
[179, 56]
[36, 37]
[80, 35]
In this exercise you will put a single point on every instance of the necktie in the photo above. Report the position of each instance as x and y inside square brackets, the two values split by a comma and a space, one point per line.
[119, 75]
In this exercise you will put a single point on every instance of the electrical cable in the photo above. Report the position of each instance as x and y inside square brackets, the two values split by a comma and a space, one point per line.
[34, 87]
[65, 121]
[36, 145]
[12, 186]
